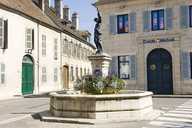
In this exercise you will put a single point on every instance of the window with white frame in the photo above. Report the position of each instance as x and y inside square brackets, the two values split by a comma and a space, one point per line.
[44, 74]
[55, 49]
[65, 47]
[29, 39]
[124, 67]
[55, 75]
[43, 45]
[2, 75]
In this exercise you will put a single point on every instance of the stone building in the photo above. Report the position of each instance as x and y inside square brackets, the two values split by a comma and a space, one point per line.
[151, 43]
[41, 49]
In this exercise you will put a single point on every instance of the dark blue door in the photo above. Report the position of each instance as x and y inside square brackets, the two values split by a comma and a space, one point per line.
[159, 72]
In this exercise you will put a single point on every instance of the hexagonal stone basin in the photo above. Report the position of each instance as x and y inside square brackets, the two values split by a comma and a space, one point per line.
[129, 105]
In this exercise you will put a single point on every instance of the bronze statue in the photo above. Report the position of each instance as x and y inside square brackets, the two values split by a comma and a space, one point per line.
[97, 33]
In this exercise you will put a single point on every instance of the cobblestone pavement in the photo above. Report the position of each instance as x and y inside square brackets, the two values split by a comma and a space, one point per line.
[17, 113]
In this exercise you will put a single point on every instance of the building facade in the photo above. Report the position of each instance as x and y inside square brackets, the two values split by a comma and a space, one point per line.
[151, 44]
[36, 54]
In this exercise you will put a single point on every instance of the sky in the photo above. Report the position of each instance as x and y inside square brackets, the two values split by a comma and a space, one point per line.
[86, 11]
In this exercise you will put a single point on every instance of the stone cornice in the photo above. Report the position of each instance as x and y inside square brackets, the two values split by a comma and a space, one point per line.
[102, 2]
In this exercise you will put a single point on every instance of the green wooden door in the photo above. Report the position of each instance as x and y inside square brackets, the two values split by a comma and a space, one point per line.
[27, 78]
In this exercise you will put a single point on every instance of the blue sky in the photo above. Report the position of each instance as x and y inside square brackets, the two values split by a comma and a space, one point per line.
[86, 11]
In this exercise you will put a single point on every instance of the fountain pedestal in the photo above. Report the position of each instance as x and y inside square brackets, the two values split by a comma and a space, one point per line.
[100, 64]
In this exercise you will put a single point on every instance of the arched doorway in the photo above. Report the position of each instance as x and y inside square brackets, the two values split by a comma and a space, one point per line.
[159, 71]
[27, 75]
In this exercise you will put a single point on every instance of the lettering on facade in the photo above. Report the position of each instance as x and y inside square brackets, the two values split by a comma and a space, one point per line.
[160, 40]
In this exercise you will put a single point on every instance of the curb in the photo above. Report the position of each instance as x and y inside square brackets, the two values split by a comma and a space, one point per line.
[172, 96]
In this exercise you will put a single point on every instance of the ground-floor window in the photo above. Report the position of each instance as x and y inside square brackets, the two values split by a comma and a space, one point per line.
[2, 75]
[191, 64]
[55, 77]
[44, 74]
[124, 67]
[71, 74]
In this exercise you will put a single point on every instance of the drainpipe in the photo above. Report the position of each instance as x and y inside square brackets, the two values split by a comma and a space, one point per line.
[38, 58]
[61, 66]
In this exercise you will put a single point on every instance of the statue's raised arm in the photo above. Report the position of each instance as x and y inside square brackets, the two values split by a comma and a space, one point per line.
[99, 15]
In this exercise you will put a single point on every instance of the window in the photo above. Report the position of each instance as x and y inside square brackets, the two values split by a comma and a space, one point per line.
[43, 45]
[77, 73]
[65, 46]
[44, 74]
[55, 49]
[85, 71]
[2, 75]
[72, 75]
[190, 15]
[55, 77]
[81, 72]
[122, 24]
[191, 64]
[157, 20]
[124, 67]
[29, 38]
[3, 33]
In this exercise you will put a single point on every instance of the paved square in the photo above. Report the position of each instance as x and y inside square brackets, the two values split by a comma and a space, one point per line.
[17, 113]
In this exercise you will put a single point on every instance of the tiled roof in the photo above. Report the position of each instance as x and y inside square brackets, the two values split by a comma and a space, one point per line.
[28, 8]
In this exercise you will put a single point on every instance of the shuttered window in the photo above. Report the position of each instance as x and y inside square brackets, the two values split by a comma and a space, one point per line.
[122, 24]
[127, 67]
[3, 34]
[146, 21]
[29, 39]
[124, 67]
[169, 18]
[44, 74]
[55, 75]
[184, 16]
[190, 15]
[72, 74]
[2, 75]
[157, 20]
[43, 45]
[77, 73]
[132, 22]
[185, 65]
[55, 49]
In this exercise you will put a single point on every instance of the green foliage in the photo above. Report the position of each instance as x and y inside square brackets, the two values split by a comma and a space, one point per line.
[98, 85]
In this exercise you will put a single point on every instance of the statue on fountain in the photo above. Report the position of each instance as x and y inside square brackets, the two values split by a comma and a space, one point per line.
[97, 33]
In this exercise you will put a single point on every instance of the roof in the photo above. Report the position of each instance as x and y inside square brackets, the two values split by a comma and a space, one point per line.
[65, 27]
[27, 8]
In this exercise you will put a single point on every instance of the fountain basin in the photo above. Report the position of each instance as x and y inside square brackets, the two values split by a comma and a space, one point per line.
[129, 105]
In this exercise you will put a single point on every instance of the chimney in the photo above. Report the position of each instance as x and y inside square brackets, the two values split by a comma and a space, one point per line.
[59, 8]
[66, 13]
[75, 20]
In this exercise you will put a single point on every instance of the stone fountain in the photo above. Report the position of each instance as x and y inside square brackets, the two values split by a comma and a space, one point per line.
[84, 108]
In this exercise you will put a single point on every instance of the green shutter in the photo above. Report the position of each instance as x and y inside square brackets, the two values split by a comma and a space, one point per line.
[185, 65]
[113, 24]
[146, 21]
[133, 67]
[184, 16]
[169, 18]
[132, 22]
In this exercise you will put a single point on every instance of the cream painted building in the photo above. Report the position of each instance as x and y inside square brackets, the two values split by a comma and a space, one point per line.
[40, 48]
[151, 43]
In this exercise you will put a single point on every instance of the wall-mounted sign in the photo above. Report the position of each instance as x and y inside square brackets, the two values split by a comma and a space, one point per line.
[159, 40]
